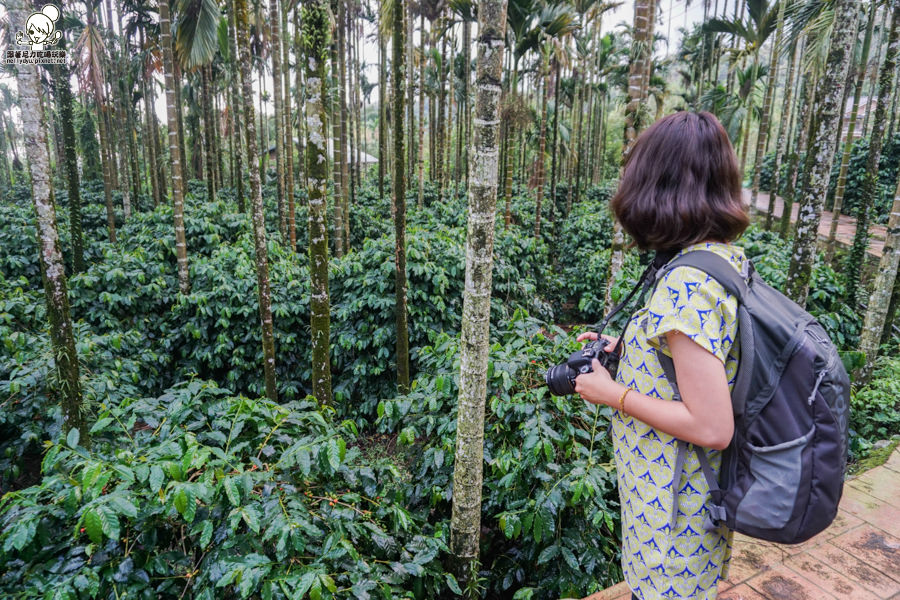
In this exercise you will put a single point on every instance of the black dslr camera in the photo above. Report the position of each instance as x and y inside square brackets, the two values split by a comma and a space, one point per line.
[561, 378]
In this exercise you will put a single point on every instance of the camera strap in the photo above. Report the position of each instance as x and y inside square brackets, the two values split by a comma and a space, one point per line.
[646, 279]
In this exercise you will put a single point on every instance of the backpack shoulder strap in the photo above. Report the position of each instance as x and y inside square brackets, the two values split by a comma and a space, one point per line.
[735, 284]
[716, 267]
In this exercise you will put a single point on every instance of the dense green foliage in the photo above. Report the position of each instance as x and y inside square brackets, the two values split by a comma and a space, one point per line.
[856, 172]
[194, 486]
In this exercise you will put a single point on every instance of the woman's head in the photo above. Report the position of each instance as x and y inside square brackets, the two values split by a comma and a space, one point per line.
[681, 184]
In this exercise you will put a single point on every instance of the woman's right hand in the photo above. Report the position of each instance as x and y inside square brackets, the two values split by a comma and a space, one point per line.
[592, 335]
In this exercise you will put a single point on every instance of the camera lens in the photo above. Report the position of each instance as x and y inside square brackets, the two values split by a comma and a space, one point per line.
[559, 379]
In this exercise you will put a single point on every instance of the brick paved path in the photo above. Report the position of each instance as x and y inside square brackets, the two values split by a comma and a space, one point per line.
[857, 558]
[846, 225]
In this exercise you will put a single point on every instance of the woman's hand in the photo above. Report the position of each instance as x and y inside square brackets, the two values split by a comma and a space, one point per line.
[592, 335]
[597, 387]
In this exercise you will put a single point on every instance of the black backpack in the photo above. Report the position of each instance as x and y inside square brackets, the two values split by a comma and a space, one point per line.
[782, 476]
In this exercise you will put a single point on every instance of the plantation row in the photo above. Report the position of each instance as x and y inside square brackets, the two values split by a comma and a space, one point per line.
[194, 484]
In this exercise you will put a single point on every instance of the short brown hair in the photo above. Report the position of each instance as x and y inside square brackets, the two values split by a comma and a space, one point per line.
[681, 184]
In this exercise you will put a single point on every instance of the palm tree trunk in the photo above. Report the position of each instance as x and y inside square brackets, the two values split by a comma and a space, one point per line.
[237, 117]
[257, 213]
[763, 135]
[851, 130]
[275, 51]
[817, 168]
[208, 135]
[411, 98]
[184, 282]
[298, 85]
[545, 77]
[465, 524]
[876, 315]
[345, 149]
[398, 207]
[783, 134]
[382, 111]
[336, 115]
[288, 133]
[642, 36]
[441, 110]
[421, 146]
[179, 114]
[316, 20]
[62, 338]
[857, 255]
[70, 155]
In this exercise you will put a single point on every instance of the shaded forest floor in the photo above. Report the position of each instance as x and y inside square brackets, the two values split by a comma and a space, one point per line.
[846, 228]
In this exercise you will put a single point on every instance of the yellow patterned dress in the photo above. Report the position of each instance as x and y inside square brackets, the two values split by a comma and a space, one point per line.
[689, 561]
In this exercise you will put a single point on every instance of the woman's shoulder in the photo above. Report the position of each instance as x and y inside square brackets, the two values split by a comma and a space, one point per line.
[730, 252]
[693, 280]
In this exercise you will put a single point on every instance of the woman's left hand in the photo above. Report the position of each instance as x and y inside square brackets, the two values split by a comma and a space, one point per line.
[595, 387]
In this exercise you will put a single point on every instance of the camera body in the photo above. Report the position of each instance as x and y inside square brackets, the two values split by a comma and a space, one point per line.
[561, 378]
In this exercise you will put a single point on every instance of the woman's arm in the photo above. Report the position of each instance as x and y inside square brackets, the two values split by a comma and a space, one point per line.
[703, 417]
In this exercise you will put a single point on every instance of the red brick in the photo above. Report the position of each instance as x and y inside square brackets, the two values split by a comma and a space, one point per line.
[857, 569]
[878, 549]
[828, 579]
[741, 592]
[857, 502]
[781, 583]
[881, 483]
[893, 462]
[750, 557]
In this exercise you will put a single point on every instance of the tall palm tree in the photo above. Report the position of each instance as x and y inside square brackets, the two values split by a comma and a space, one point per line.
[465, 523]
[90, 55]
[880, 301]
[641, 56]
[62, 338]
[761, 21]
[398, 206]
[857, 253]
[817, 167]
[316, 20]
[257, 213]
[277, 78]
[236, 114]
[763, 134]
[184, 282]
[851, 130]
[63, 92]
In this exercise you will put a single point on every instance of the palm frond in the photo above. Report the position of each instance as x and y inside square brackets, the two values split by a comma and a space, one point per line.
[196, 35]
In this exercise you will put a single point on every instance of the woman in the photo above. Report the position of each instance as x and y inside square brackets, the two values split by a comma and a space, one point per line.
[680, 190]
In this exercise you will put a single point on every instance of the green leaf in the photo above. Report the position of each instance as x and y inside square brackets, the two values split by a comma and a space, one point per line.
[328, 582]
[93, 526]
[100, 424]
[304, 462]
[251, 518]
[305, 583]
[334, 454]
[73, 437]
[548, 554]
[156, 478]
[206, 534]
[232, 491]
[109, 522]
[123, 505]
[524, 594]
[185, 501]
[570, 559]
[453, 585]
